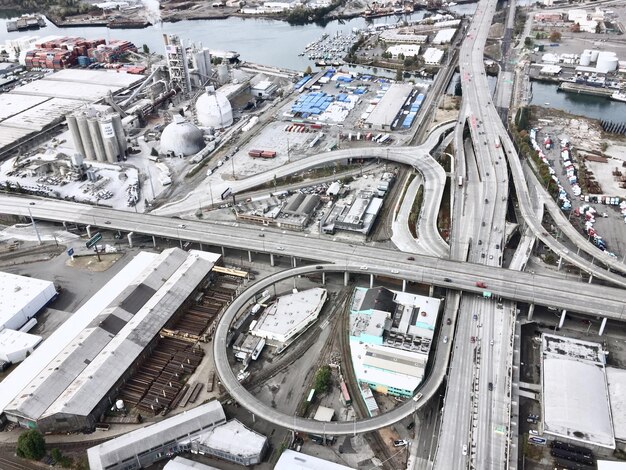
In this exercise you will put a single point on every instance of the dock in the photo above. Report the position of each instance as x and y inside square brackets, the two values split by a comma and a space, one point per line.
[585, 90]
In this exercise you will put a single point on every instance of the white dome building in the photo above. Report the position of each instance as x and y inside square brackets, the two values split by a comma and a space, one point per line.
[214, 110]
[181, 137]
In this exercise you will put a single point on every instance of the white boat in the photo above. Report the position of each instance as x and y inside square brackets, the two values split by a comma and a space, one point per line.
[618, 96]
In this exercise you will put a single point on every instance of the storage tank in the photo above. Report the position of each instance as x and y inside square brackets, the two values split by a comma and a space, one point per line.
[222, 73]
[607, 62]
[213, 109]
[119, 133]
[119, 404]
[75, 133]
[94, 132]
[181, 138]
[585, 58]
[109, 141]
[594, 55]
[83, 126]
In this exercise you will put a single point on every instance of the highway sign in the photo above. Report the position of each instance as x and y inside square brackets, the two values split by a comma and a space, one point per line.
[70, 252]
[93, 240]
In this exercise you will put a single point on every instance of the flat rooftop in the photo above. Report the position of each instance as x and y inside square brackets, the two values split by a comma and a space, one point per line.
[290, 312]
[38, 105]
[390, 105]
[181, 463]
[292, 460]
[18, 293]
[233, 438]
[616, 379]
[575, 392]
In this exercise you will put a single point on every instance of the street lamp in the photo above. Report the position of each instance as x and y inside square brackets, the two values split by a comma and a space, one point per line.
[33, 222]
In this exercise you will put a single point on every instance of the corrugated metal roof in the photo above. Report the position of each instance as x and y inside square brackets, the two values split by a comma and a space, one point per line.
[390, 104]
[177, 427]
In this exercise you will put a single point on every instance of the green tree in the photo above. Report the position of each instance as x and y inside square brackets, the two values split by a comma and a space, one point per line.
[154, 152]
[398, 75]
[146, 49]
[528, 42]
[31, 445]
[308, 70]
[322, 379]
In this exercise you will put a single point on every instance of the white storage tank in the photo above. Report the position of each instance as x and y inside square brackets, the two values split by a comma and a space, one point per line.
[607, 62]
[119, 404]
[585, 58]
[594, 55]
[222, 73]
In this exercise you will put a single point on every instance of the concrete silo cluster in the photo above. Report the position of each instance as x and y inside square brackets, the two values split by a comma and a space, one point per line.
[99, 136]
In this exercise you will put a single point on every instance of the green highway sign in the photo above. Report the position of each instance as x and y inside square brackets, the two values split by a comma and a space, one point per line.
[93, 240]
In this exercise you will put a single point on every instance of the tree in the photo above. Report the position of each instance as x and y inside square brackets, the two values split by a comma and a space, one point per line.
[31, 445]
[398, 75]
[528, 42]
[146, 49]
[322, 379]
[154, 152]
[308, 70]
[555, 36]
[598, 28]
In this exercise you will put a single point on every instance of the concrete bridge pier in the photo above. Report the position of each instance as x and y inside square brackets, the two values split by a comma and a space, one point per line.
[249, 256]
[201, 247]
[562, 320]
[153, 241]
[403, 285]
[531, 311]
[602, 326]
[65, 226]
[560, 263]
[371, 281]
[431, 291]
[294, 262]
[130, 239]
[271, 259]
[590, 278]
[346, 278]
[88, 230]
[323, 279]
[224, 252]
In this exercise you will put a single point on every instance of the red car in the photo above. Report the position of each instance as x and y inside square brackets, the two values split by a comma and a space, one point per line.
[473, 339]
[481, 284]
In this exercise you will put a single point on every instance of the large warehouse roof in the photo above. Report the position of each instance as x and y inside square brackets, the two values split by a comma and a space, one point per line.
[37, 105]
[292, 460]
[390, 105]
[21, 297]
[189, 423]
[79, 376]
[575, 396]
[181, 463]
[36, 362]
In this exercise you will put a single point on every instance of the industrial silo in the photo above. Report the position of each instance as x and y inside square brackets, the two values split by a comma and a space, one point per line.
[607, 62]
[594, 55]
[109, 141]
[119, 133]
[222, 73]
[94, 132]
[85, 135]
[75, 132]
[585, 58]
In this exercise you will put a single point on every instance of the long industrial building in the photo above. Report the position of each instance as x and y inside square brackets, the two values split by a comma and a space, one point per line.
[78, 378]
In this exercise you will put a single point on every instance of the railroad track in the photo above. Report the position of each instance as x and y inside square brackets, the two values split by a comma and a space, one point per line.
[15, 463]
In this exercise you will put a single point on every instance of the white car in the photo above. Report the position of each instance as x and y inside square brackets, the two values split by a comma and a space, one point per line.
[394, 271]
[445, 339]
[464, 449]
[280, 248]
[363, 268]
[400, 442]
[181, 225]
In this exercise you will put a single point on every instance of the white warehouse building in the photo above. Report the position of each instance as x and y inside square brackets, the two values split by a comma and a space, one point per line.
[21, 298]
[289, 315]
